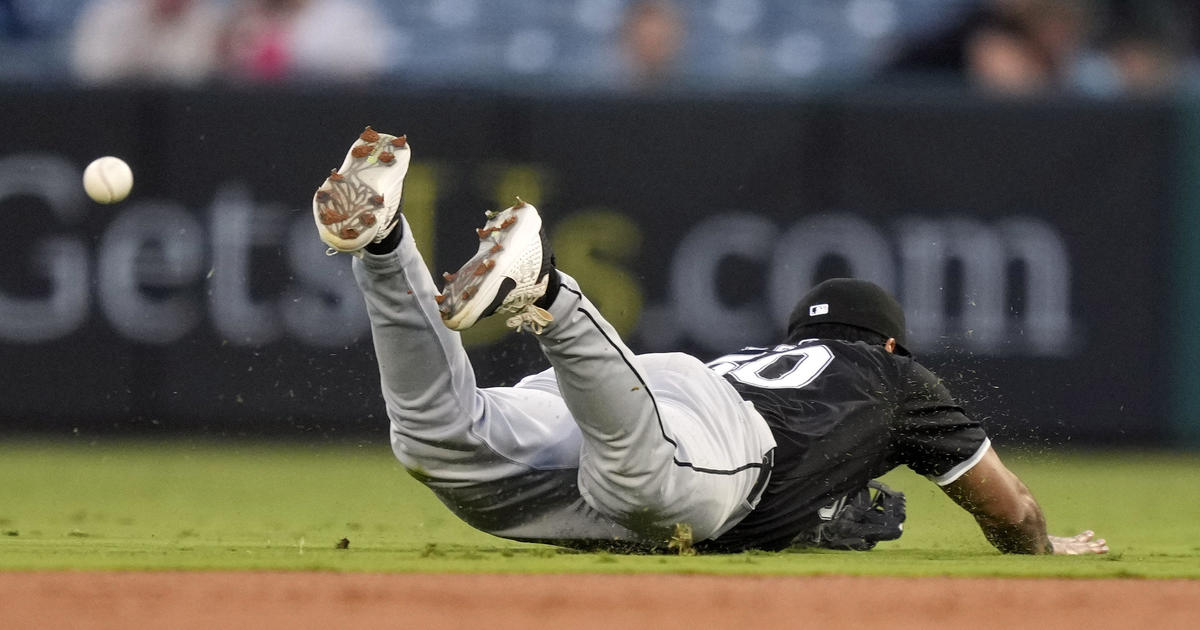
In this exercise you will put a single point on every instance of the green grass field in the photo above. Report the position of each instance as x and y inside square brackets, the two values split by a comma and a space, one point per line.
[137, 505]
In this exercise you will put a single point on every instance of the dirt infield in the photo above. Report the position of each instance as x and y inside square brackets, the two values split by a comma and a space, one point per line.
[266, 601]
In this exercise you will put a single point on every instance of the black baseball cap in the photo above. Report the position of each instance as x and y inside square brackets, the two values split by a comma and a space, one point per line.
[852, 302]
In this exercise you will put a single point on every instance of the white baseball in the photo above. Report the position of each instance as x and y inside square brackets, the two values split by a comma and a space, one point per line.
[107, 179]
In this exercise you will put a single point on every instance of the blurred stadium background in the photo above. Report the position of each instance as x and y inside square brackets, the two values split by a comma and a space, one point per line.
[1019, 172]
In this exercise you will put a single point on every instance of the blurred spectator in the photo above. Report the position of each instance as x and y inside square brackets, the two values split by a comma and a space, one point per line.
[1099, 48]
[652, 38]
[1148, 44]
[1014, 46]
[1143, 63]
[271, 40]
[1000, 56]
[166, 41]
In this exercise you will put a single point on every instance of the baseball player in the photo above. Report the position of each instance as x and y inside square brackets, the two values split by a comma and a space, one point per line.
[608, 449]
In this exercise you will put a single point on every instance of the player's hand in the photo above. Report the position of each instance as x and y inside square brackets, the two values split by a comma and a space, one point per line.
[1084, 542]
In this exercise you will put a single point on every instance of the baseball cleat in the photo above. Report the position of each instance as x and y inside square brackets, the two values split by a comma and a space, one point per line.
[359, 203]
[508, 274]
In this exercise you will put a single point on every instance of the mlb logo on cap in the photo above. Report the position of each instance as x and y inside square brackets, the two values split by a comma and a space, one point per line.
[818, 309]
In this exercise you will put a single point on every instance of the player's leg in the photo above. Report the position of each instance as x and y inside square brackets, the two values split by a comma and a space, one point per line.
[665, 440]
[427, 381]
[505, 459]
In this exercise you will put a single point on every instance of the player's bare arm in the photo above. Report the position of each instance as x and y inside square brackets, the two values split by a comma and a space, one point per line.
[1008, 514]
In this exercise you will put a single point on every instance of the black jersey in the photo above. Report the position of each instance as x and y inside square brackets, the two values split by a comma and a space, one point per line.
[842, 414]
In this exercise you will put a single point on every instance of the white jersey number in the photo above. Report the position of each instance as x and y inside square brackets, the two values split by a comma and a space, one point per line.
[756, 369]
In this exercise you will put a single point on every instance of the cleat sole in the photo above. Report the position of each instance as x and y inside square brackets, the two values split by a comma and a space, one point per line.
[349, 206]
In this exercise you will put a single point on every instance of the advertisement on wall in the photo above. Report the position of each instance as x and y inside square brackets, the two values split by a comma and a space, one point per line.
[1021, 241]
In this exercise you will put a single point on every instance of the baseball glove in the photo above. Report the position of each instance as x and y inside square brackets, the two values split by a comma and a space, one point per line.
[859, 520]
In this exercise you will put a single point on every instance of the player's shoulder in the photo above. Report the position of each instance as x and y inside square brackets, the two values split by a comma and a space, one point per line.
[921, 383]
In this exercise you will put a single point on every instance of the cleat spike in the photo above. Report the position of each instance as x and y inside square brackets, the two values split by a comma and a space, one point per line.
[387, 158]
[496, 248]
[348, 233]
[362, 150]
[335, 176]
[377, 200]
[508, 222]
[367, 219]
[329, 216]
[520, 204]
[439, 298]
[449, 277]
[485, 267]
[322, 195]
[369, 135]
[400, 141]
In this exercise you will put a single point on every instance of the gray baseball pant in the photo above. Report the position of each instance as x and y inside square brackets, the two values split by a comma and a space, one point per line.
[604, 445]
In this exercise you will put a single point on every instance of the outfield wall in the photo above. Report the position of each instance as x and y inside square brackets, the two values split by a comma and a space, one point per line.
[1032, 245]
